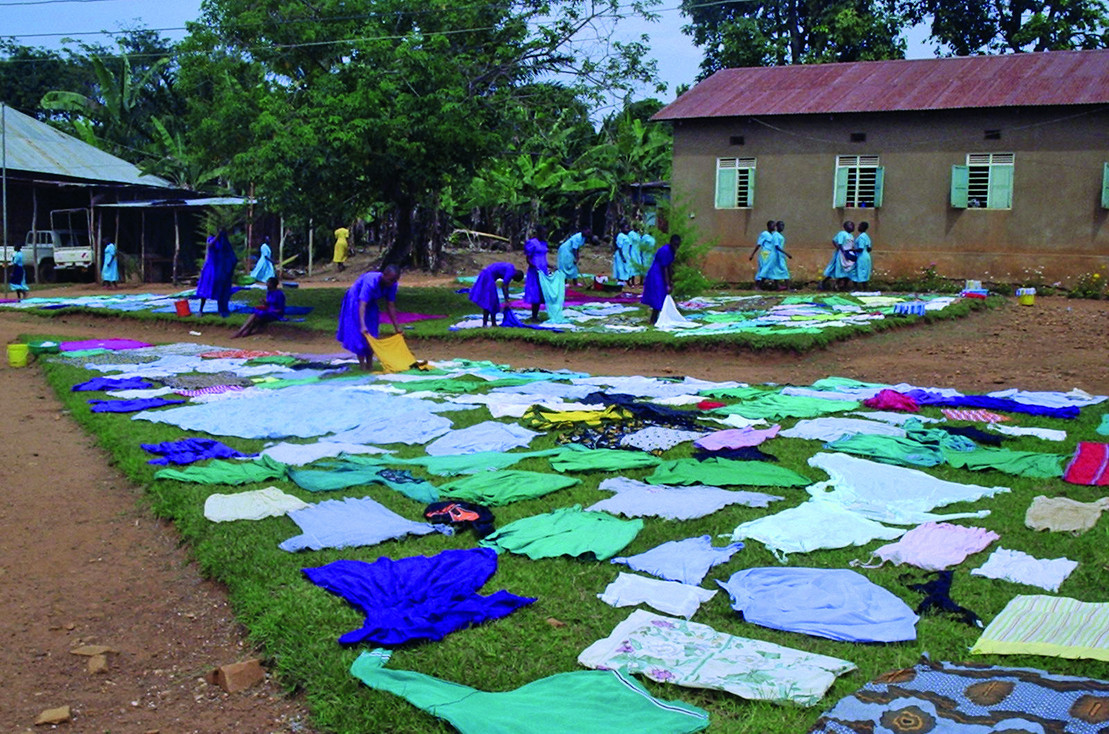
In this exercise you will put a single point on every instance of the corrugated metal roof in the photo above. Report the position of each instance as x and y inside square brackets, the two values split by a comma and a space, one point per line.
[176, 203]
[1012, 80]
[38, 148]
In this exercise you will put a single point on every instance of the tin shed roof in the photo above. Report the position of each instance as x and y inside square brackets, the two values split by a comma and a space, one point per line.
[1012, 80]
[36, 147]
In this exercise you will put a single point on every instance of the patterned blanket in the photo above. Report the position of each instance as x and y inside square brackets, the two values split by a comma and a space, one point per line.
[968, 699]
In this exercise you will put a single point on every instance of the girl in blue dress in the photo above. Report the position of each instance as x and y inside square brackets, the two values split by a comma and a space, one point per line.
[659, 281]
[484, 291]
[861, 274]
[535, 250]
[359, 315]
[263, 270]
[109, 273]
[17, 279]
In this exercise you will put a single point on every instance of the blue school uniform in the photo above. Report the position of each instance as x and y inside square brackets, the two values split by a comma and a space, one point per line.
[861, 273]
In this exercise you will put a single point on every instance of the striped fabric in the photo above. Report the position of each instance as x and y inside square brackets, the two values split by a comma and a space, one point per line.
[213, 390]
[1048, 625]
[1090, 464]
[976, 416]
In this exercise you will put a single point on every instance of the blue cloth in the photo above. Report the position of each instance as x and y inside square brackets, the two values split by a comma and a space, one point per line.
[368, 289]
[17, 279]
[838, 603]
[654, 285]
[417, 598]
[487, 436]
[263, 269]
[782, 265]
[766, 254]
[685, 561]
[925, 397]
[349, 523]
[188, 450]
[206, 283]
[484, 291]
[623, 264]
[512, 321]
[553, 286]
[535, 250]
[861, 273]
[130, 406]
[568, 255]
[112, 383]
[109, 273]
[225, 262]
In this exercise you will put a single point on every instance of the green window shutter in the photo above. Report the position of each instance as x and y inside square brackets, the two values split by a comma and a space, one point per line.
[1001, 188]
[840, 199]
[1105, 188]
[879, 183]
[725, 187]
[960, 186]
[751, 187]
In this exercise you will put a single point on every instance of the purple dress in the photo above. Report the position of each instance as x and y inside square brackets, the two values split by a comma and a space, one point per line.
[206, 284]
[654, 287]
[535, 250]
[368, 288]
[484, 291]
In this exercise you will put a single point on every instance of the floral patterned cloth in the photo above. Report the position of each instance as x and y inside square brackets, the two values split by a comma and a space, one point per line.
[694, 655]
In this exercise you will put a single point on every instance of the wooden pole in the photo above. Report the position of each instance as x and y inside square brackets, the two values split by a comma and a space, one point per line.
[142, 246]
[310, 233]
[281, 245]
[176, 245]
[34, 228]
[119, 260]
[249, 227]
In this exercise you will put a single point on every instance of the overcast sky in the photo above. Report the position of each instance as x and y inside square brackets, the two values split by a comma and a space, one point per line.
[47, 22]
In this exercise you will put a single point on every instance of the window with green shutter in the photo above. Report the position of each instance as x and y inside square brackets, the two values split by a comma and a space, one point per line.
[735, 183]
[858, 182]
[1105, 187]
[985, 182]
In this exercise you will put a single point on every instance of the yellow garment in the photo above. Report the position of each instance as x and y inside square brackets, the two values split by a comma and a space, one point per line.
[543, 419]
[341, 236]
[393, 353]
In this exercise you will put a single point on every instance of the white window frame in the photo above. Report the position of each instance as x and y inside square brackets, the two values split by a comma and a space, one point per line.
[858, 182]
[742, 194]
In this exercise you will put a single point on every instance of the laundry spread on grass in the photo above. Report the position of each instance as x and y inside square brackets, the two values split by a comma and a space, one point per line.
[713, 316]
[664, 477]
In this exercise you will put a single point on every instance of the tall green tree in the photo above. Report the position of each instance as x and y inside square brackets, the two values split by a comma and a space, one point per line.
[395, 100]
[1004, 26]
[777, 32]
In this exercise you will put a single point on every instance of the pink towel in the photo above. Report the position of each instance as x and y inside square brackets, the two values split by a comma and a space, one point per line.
[1090, 464]
[977, 416]
[892, 400]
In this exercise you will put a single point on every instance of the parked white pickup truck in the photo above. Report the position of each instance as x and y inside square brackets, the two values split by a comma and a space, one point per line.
[54, 250]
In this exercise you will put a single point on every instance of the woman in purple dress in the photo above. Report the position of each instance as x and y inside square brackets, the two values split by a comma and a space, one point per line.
[484, 291]
[359, 315]
[535, 250]
[660, 278]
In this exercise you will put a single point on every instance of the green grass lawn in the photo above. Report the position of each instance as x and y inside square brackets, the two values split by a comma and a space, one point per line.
[296, 624]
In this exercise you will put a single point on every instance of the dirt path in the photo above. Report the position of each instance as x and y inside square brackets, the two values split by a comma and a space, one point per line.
[81, 560]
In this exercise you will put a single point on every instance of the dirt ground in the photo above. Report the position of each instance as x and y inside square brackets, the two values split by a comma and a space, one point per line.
[83, 561]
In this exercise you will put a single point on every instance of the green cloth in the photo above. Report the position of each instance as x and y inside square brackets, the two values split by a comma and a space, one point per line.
[579, 458]
[1103, 429]
[726, 472]
[566, 703]
[1020, 463]
[495, 488]
[838, 383]
[737, 393]
[262, 469]
[343, 474]
[452, 465]
[890, 449]
[568, 531]
[464, 384]
[774, 406]
[285, 359]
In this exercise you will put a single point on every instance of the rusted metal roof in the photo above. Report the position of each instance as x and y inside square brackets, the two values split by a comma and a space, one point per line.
[1012, 80]
[36, 147]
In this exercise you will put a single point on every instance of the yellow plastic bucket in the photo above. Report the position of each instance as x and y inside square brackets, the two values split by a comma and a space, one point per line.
[17, 355]
[1027, 300]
